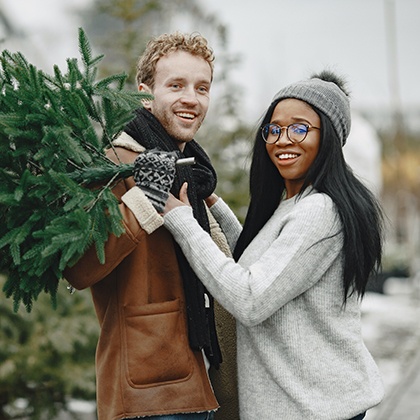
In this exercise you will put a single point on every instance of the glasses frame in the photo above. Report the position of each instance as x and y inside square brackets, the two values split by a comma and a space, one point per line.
[287, 127]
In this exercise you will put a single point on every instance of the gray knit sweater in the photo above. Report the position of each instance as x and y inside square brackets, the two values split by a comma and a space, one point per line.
[300, 353]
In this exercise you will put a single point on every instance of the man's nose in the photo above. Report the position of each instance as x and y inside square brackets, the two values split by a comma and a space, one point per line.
[189, 95]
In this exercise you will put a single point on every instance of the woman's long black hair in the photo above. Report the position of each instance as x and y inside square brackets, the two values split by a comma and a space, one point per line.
[358, 209]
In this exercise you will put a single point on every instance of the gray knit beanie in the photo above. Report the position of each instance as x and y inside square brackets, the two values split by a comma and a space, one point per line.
[328, 97]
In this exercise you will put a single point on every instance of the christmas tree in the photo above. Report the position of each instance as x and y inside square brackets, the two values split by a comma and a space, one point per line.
[53, 133]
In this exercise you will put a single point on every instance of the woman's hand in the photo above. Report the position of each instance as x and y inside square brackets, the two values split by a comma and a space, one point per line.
[211, 199]
[173, 202]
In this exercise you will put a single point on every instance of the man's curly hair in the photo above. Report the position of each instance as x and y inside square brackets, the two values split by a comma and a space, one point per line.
[165, 44]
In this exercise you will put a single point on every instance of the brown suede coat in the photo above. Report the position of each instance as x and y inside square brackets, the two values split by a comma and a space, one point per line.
[144, 363]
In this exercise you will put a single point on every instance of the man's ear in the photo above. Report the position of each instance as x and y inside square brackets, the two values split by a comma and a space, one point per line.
[144, 88]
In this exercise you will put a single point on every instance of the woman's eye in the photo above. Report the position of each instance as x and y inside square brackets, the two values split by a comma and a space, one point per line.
[298, 128]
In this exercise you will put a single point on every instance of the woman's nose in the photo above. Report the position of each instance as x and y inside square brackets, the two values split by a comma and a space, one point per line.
[283, 137]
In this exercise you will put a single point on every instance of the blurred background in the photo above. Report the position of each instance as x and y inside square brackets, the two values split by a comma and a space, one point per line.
[47, 356]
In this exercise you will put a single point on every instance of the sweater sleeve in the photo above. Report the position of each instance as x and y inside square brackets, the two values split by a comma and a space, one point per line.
[307, 244]
[227, 220]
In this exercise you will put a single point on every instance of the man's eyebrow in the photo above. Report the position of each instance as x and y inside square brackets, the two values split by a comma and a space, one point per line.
[182, 79]
[175, 78]
[204, 82]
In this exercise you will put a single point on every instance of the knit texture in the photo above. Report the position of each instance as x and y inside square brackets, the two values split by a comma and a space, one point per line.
[154, 172]
[224, 380]
[300, 353]
[327, 97]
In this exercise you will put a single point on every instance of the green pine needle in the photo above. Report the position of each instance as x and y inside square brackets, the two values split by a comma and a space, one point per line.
[53, 133]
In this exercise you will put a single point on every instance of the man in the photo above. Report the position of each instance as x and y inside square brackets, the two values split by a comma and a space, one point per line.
[156, 318]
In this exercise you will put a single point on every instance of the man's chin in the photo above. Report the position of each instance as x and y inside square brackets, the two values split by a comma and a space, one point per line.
[183, 136]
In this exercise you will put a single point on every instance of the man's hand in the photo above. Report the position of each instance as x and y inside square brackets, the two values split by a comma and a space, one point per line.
[154, 173]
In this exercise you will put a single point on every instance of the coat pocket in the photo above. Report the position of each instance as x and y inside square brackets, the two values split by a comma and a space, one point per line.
[156, 344]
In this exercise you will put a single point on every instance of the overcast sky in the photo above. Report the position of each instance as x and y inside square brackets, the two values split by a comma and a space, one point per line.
[279, 41]
[282, 41]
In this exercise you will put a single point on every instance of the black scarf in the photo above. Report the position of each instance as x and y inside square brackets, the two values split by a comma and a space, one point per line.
[201, 178]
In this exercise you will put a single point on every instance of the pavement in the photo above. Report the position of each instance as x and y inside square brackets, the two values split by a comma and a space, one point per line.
[404, 400]
[391, 330]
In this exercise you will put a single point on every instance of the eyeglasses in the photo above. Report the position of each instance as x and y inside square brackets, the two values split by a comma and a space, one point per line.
[296, 133]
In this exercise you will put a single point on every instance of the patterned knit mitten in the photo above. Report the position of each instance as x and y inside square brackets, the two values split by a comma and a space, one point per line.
[154, 173]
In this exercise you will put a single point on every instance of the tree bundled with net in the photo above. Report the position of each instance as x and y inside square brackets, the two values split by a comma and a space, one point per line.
[53, 133]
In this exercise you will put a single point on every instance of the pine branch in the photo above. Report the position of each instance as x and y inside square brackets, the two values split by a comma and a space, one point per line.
[103, 173]
[53, 133]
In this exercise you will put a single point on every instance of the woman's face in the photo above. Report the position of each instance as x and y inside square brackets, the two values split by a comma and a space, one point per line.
[293, 160]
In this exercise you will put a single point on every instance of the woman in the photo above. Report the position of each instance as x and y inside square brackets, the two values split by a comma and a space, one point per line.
[311, 239]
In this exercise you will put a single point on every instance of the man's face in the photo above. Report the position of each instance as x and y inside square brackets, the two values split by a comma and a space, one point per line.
[181, 94]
